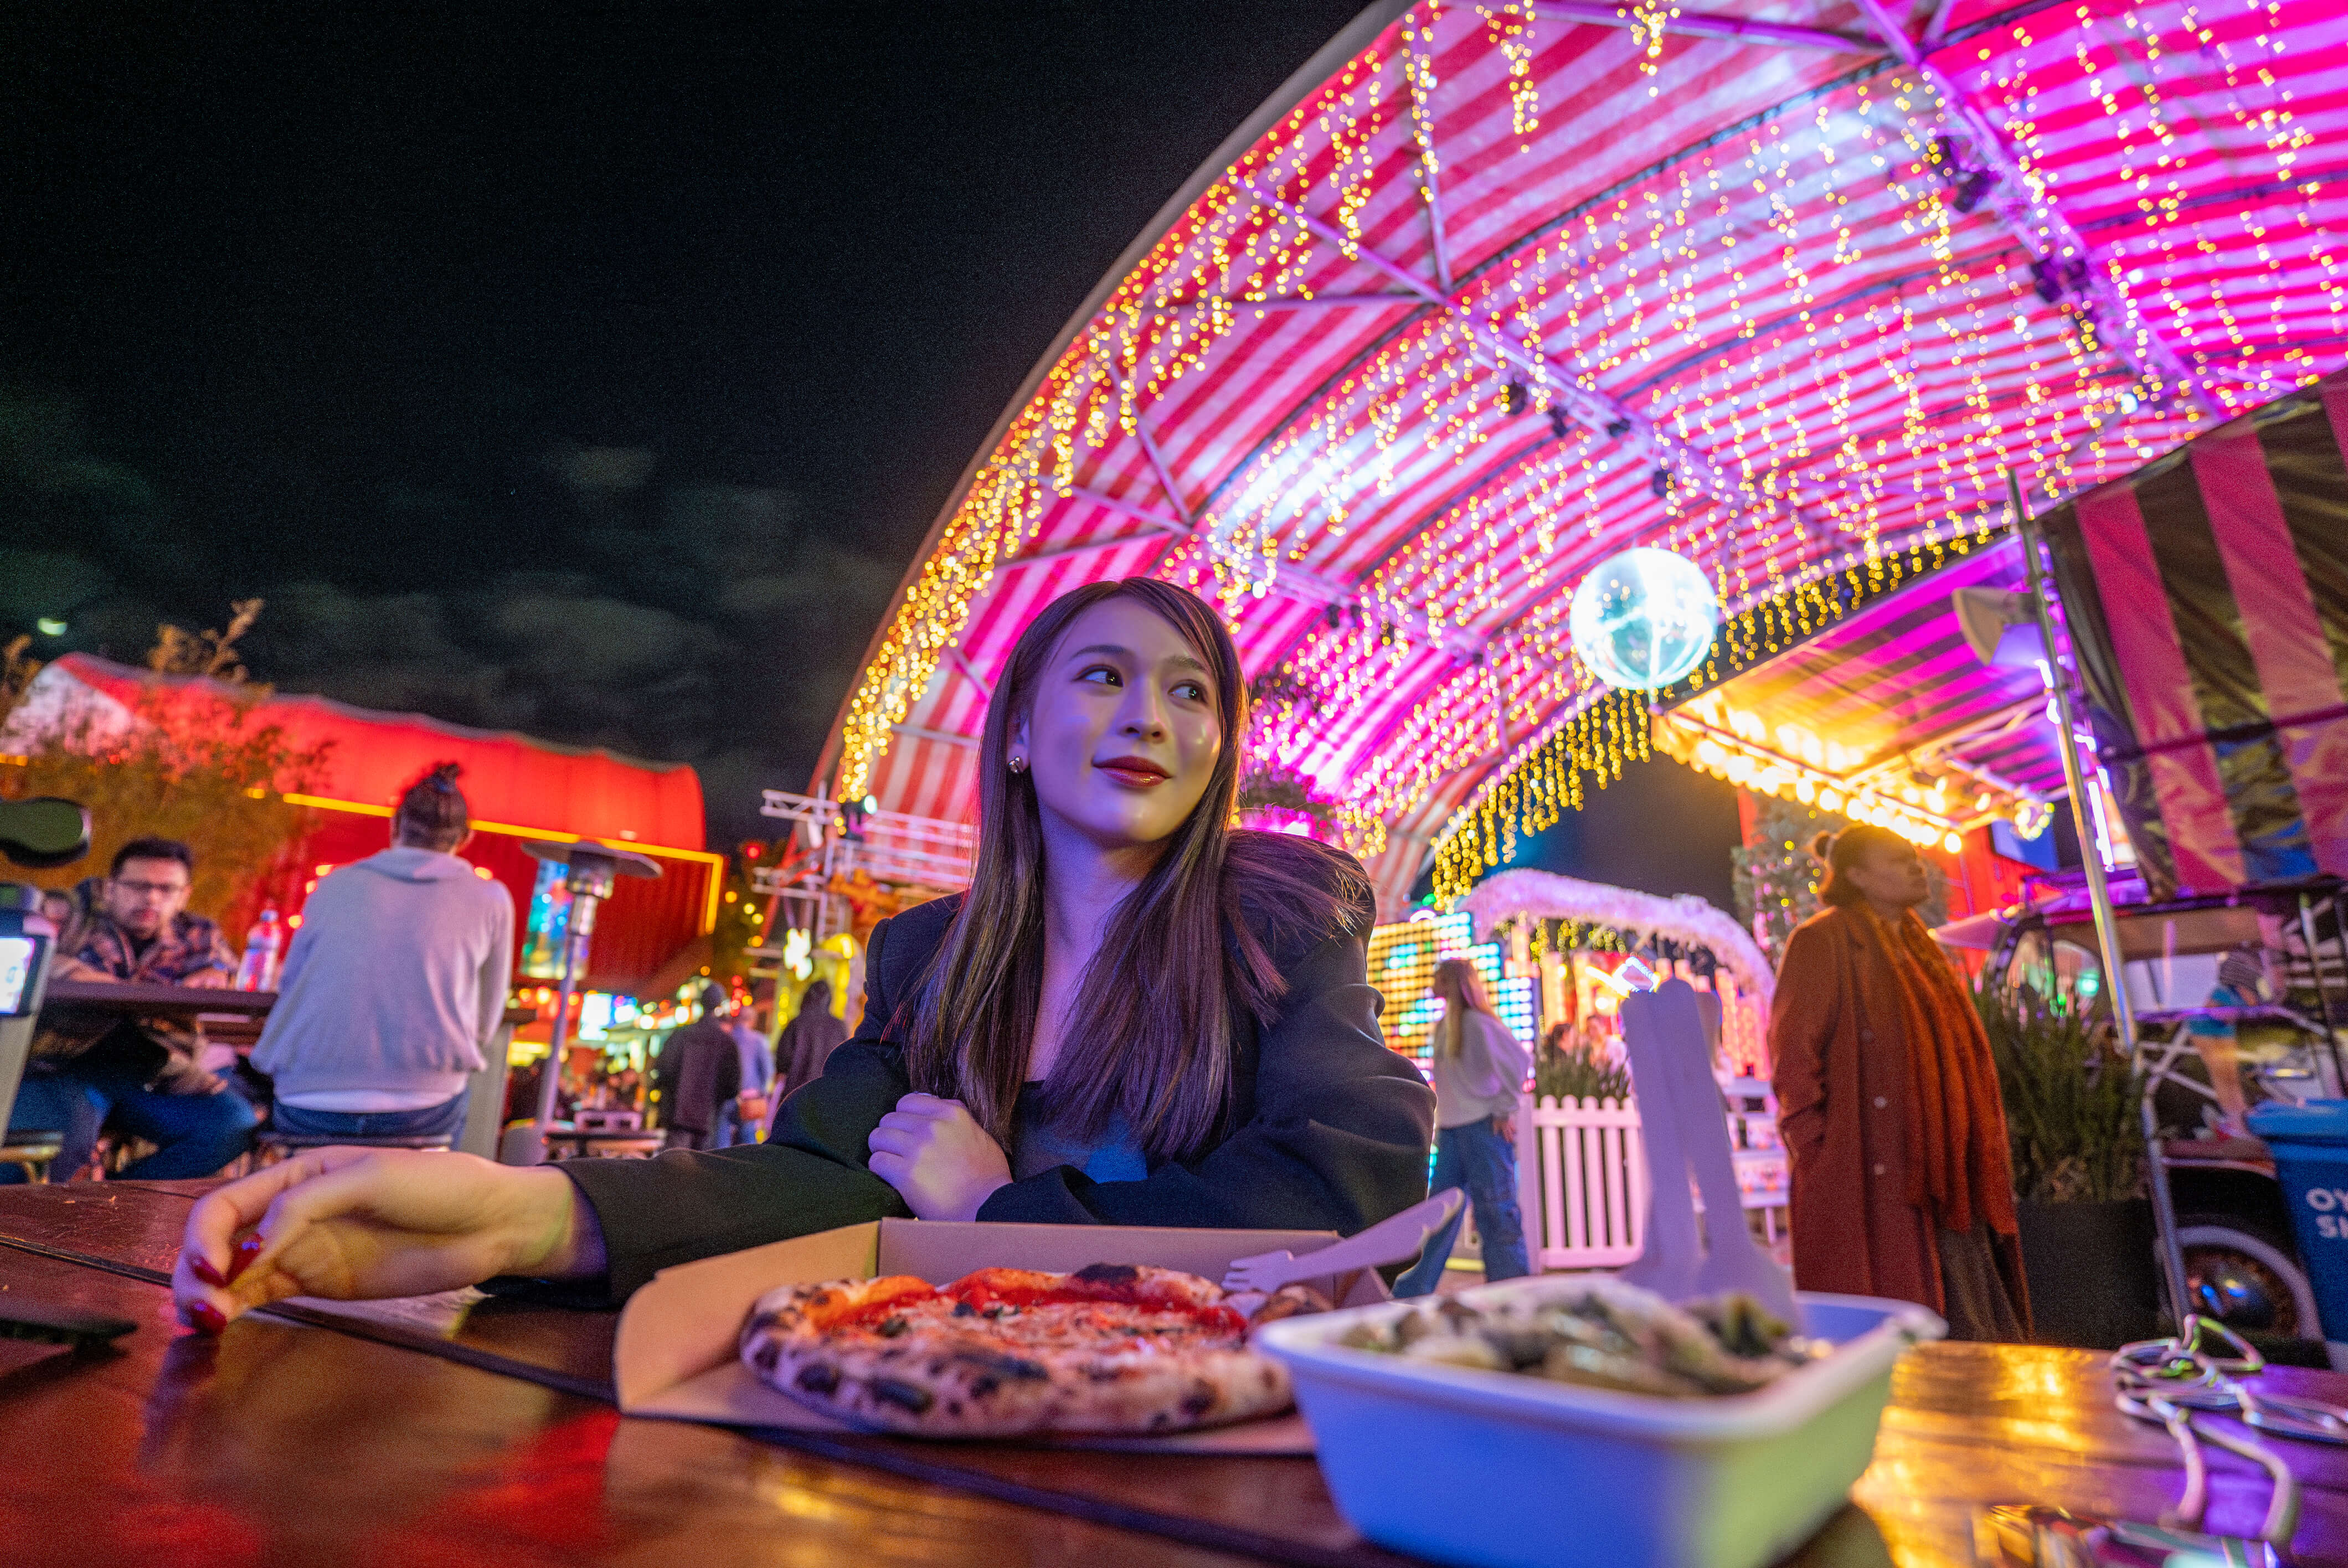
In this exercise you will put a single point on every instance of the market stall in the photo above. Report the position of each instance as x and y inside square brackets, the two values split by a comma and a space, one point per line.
[1486, 305]
[651, 938]
[2199, 600]
[1582, 1173]
[1537, 387]
[518, 787]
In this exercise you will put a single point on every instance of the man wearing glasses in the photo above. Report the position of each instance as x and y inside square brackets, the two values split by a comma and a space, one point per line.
[144, 1075]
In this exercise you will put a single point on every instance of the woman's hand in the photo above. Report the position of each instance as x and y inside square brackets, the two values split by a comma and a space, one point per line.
[348, 1223]
[938, 1157]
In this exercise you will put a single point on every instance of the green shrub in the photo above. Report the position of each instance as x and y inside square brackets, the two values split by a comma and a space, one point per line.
[1578, 1070]
[2071, 1098]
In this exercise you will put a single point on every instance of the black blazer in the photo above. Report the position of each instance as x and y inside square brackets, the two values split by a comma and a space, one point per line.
[1329, 1130]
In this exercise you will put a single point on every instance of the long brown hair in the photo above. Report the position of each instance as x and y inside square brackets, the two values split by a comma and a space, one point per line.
[1452, 1032]
[1152, 1032]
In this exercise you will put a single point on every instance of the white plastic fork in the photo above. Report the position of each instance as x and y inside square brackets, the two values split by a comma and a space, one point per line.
[1395, 1239]
[1685, 1124]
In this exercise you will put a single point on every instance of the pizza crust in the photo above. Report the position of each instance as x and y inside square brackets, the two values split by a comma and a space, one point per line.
[1114, 1348]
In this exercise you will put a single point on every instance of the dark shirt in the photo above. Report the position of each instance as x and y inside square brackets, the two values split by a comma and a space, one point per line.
[699, 1070]
[1329, 1130]
[807, 1042]
[162, 1051]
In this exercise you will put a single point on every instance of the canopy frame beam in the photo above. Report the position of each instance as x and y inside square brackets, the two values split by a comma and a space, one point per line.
[2039, 226]
[1164, 477]
[1705, 25]
[1588, 406]
[1060, 552]
[1297, 303]
[1310, 587]
[969, 672]
[1419, 75]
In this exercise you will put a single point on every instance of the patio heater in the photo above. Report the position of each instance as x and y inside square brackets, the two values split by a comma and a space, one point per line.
[593, 870]
[2100, 894]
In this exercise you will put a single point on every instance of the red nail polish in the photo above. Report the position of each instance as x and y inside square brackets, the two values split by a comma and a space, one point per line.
[246, 1251]
[207, 1273]
[208, 1317]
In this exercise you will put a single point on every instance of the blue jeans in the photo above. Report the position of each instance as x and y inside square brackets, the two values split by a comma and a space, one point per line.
[1478, 1159]
[425, 1121]
[197, 1133]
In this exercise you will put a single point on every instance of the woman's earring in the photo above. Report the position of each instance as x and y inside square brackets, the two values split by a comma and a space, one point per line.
[1019, 764]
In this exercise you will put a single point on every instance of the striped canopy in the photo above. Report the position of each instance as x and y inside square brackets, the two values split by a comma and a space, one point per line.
[2208, 601]
[1487, 293]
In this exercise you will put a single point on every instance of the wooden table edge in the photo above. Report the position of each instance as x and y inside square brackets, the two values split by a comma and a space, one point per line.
[880, 1453]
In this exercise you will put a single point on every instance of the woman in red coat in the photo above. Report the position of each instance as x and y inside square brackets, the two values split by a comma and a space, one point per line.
[1888, 1100]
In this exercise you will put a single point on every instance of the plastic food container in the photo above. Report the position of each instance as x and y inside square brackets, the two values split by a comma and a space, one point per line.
[1501, 1470]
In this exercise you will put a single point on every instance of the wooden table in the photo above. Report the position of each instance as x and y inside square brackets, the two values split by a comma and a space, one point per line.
[287, 1442]
[602, 1143]
[141, 999]
[231, 1017]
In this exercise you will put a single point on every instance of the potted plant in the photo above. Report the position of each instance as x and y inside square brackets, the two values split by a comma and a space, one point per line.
[1571, 1066]
[2071, 1119]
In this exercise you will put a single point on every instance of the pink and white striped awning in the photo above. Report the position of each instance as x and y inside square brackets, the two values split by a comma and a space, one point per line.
[1487, 293]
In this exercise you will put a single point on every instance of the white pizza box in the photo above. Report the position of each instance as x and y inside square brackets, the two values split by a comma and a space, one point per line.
[676, 1353]
[1570, 1477]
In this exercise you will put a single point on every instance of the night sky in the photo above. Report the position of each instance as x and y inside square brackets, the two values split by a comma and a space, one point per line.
[595, 377]
[591, 376]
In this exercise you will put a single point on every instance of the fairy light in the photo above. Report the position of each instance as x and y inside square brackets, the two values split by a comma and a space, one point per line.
[1789, 762]
[1794, 301]
[1650, 21]
[1510, 30]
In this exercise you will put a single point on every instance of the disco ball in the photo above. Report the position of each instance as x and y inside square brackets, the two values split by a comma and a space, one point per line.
[1643, 619]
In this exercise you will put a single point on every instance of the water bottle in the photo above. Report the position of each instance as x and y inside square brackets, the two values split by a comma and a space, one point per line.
[262, 946]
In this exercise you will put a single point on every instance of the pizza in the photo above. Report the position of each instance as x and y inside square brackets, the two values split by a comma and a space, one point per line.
[1008, 1352]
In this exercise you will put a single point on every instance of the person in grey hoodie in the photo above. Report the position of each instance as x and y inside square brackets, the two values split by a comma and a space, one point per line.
[395, 982]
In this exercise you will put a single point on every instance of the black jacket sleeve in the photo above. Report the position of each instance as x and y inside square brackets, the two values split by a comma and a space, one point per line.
[809, 1176]
[1331, 1133]
[1336, 1138]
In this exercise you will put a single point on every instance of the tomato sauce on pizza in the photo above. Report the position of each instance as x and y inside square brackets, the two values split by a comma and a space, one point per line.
[1115, 1347]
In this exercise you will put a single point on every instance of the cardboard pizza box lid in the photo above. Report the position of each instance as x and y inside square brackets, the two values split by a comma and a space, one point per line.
[675, 1356]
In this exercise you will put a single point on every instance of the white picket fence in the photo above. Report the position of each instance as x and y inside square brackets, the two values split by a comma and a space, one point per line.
[1581, 1179]
[1582, 1182]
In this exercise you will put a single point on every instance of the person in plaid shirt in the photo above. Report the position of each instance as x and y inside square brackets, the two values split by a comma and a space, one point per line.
[89, 1065]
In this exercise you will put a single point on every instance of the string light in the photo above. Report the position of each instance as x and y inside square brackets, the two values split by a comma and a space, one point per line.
[1833, 361]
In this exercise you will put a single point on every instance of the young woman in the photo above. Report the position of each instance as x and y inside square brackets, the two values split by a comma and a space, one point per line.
[1479, 1076]
[1888, 1103]
[1136, 1016]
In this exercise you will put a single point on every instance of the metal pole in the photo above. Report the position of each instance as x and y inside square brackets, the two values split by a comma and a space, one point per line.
[577, 929]
[2099, 895]
[2322, 993]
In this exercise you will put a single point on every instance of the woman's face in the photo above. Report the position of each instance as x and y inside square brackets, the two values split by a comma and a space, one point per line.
[1892, 875]
[1124, 729]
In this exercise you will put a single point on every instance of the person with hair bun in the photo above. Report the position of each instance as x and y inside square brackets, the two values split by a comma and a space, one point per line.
[395, 982]
[1136, 1015]
[1888, 1100]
